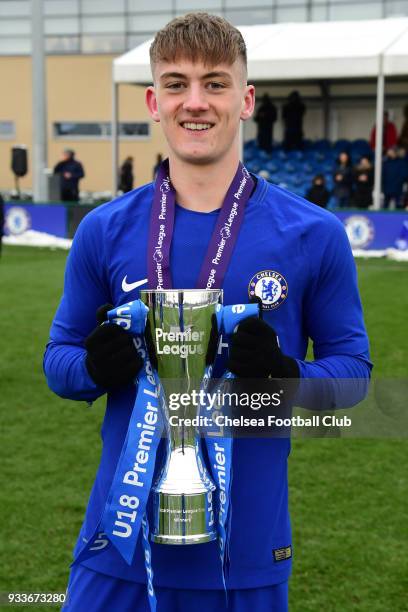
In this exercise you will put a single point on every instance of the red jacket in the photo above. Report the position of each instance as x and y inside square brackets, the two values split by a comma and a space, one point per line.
[389, 136]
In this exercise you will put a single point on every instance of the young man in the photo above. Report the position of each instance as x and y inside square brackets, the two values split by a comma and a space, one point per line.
[288, 252]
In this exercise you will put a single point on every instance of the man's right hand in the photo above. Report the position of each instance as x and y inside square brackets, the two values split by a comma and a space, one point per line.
[112, 359]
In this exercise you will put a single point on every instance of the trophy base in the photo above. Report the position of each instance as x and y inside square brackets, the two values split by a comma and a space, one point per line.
[183, 518]
[192, 539]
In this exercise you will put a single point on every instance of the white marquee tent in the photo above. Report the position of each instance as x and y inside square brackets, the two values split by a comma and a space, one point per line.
[302, 51]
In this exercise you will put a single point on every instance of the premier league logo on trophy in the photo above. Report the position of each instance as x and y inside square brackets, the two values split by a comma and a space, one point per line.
[183, 496]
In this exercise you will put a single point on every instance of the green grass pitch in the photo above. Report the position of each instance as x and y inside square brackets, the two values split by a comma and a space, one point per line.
[348, 498]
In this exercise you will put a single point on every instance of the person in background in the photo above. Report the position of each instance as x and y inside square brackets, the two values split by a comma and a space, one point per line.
[394, 175]
[126, 175]
[389, 134]
[292, 114]
[1, 221]
[363, 176]
[403, 155]
[70, 171]
[157, 165]
[318, 192]
[403, 138]
[343, 180]
[265, 117]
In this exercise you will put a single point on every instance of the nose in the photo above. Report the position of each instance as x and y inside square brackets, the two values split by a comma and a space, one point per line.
[196, 100]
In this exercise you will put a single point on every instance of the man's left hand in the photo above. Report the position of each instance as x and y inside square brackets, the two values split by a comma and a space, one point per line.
[255, 352]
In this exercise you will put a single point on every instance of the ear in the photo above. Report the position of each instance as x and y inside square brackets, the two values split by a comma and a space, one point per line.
[151, 103]
[248, 103]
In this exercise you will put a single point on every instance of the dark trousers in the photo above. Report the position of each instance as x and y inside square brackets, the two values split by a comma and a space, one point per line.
[69, 195]
[397, 198]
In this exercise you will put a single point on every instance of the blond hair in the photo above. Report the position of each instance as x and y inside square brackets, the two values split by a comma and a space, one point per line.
[198, 37]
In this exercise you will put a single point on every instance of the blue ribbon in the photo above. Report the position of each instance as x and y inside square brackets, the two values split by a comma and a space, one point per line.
[220, 448]
[125, 509]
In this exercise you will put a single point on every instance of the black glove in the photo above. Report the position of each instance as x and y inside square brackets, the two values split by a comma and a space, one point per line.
[112, 359]
[255, 353]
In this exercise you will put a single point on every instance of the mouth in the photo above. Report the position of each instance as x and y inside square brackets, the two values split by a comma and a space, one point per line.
[196, 127]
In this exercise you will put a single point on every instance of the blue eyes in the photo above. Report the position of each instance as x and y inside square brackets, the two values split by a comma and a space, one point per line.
[210, 85]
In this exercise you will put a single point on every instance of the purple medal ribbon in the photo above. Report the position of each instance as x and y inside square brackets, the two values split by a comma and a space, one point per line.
[222, 241]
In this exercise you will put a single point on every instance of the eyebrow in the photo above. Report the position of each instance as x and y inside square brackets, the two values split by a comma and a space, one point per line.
[208, 75]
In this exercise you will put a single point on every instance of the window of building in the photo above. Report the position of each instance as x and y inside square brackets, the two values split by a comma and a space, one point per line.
[94, 24]
[136, 6]
[134, 40]
[146, 23]
[67, 130]
[204, 5]
[244, 3]
[288, 14]
[298, 3]
[213, 12]
[12, 8]
[15, 45]
[356, 10]
[61, 7]
[319, 13]
[20, 27]
[62, 44]
[132, 130]
[397, 8]
[61, 25]
[7, 130]
[252, 17]
[103, 43]
[102, 7]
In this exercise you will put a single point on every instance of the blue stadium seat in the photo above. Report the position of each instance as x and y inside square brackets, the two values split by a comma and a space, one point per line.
[295, 155]
[327, 167]
[272, 166]
[254, 166]
[289, 167]
[295, 170]
[322, 145]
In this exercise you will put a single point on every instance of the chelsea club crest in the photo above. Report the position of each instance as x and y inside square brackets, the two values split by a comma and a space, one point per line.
[360, 231]
[270, 286]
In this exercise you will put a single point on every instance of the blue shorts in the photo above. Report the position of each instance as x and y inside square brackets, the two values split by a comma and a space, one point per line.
[91, 591]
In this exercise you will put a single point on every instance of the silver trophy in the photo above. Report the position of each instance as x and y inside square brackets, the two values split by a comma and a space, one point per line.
[183, 496]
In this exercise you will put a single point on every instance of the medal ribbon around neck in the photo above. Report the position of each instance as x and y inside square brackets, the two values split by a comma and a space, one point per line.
[222, 241]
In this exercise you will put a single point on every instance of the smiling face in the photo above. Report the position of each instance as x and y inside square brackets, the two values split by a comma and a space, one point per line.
[200, 108]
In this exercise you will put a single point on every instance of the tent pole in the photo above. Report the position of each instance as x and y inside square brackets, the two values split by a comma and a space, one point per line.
[39, 101]
[114, 136]
[325, 93]
[379, 136]
[241, 141]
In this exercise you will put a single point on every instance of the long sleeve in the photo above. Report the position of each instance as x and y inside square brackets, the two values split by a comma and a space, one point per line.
[67, 376]
[85, 289]
[334, 320]
[78, 171]
[59, 167]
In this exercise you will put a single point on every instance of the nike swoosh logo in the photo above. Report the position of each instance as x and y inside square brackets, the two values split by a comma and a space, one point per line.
[130, 286]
